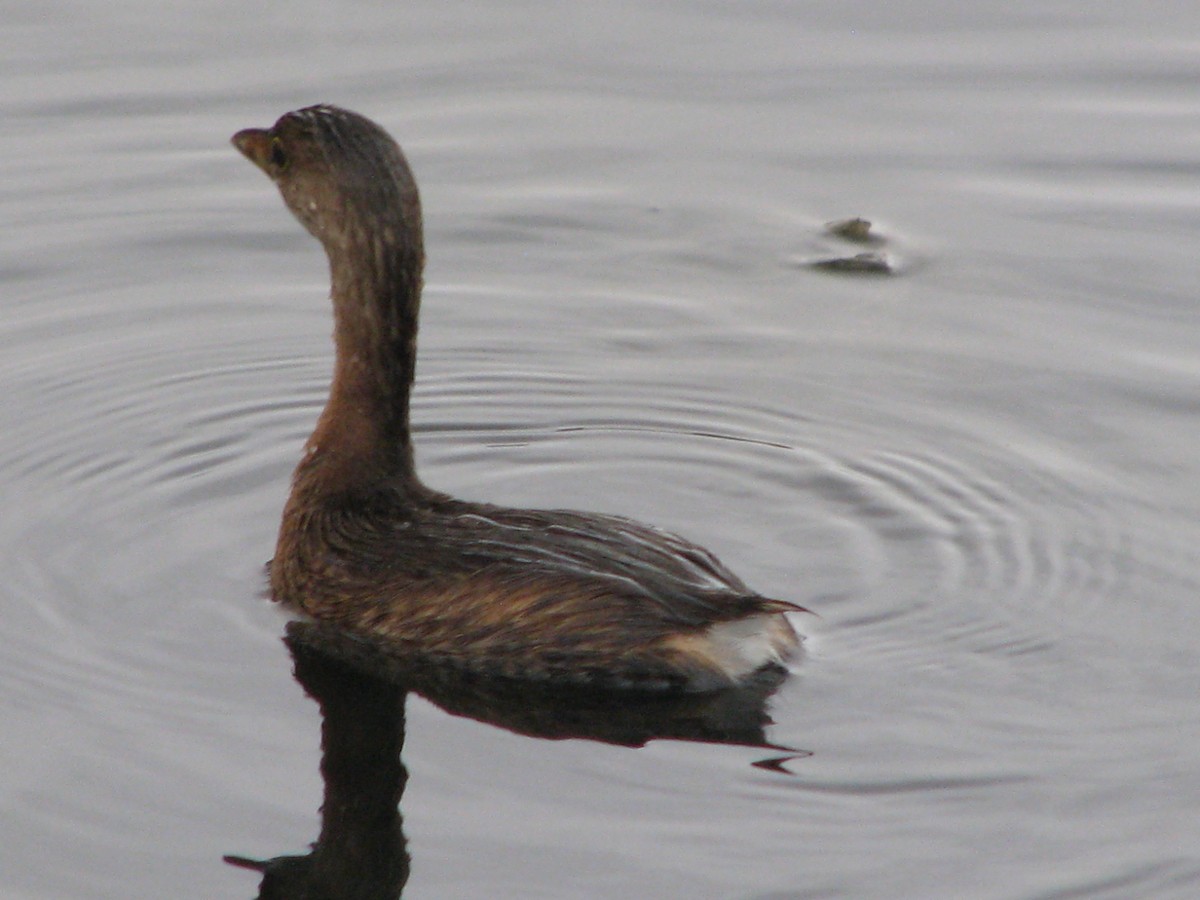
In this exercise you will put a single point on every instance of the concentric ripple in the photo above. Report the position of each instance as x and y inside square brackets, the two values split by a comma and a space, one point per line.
[980, 563]
[143, 468]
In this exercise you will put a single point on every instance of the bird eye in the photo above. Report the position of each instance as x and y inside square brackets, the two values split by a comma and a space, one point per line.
[278, 158]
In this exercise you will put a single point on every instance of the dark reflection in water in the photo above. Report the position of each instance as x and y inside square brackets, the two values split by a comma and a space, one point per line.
[361, 853]
[361, 849]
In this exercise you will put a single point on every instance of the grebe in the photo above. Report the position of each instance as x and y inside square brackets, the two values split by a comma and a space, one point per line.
[557, 595]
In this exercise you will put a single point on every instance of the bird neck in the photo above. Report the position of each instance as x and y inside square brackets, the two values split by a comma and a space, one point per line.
[363, 436]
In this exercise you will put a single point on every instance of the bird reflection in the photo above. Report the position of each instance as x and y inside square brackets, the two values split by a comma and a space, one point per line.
[361, 853]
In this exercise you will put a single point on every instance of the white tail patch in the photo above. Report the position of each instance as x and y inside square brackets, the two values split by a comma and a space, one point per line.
[742, 646]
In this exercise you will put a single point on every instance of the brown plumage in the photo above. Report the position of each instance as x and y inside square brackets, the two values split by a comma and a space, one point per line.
[549, 594]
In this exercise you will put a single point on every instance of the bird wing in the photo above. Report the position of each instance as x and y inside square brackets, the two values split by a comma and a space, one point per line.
[677, 581]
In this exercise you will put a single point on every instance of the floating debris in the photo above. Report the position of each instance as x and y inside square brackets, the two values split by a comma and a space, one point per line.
[862, 264]
[857, 230]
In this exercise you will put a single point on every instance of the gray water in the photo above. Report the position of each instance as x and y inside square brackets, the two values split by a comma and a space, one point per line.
[981, 472]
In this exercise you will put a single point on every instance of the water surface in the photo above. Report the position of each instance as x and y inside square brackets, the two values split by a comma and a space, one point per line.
[980, 472]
